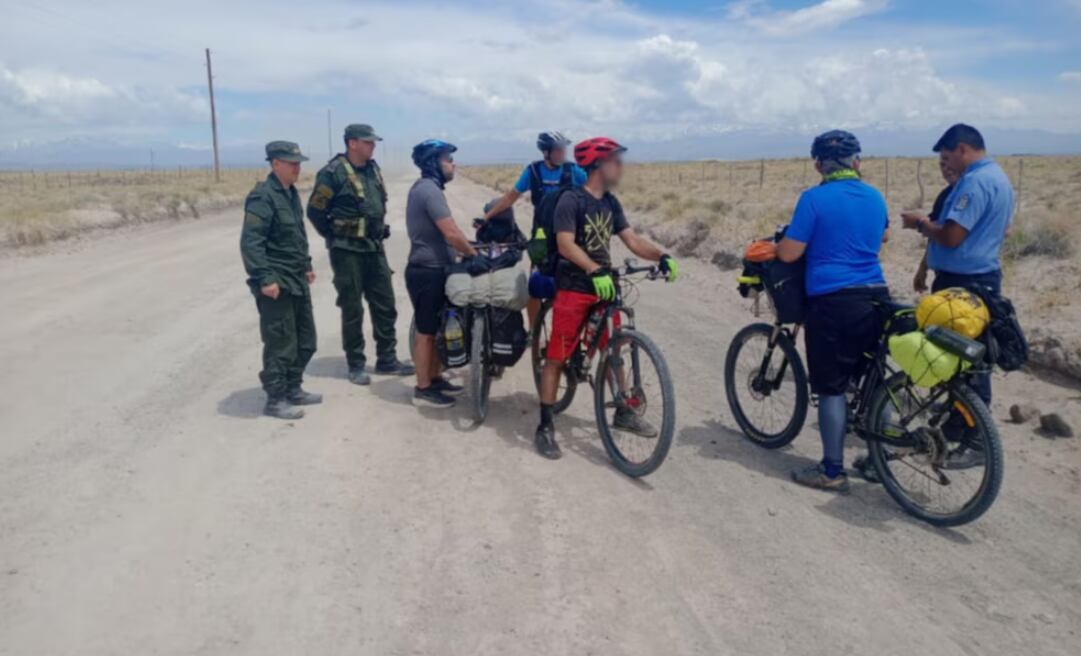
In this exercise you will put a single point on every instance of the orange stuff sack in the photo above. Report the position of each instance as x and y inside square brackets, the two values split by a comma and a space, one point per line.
[761, 251]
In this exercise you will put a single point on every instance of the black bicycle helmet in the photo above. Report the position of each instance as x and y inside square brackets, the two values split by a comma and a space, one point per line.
[546, 141]
[835, 145]
[430, 149]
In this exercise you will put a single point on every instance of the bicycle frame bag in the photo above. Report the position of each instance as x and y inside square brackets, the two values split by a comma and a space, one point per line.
[509, 337]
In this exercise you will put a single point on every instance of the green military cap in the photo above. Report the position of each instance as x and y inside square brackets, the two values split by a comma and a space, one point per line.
[286, 151]
[361, 131]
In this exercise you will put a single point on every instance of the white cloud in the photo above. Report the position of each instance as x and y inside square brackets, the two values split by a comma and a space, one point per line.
[491, 72]
[823, 15]
[1070, 76]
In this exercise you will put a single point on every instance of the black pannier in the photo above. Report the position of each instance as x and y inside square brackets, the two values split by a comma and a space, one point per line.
[784, 282]
[509, 337]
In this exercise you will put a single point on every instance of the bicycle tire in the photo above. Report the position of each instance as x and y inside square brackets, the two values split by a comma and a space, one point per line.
[480, 382]
[668, 413]
[755, 434]
[991, 444]
[537, 349]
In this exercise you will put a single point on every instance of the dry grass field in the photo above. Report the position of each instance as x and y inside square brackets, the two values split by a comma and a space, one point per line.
[40, 206]
[713, 209]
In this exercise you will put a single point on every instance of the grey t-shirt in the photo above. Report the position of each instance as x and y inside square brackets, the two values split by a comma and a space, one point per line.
[425, 205]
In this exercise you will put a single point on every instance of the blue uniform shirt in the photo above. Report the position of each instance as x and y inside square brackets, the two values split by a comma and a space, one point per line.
[982, 203]
[843, 224]
[550, 178]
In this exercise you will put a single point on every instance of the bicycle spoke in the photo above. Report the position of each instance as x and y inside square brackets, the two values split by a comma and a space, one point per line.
[766, 397]
[634, 404]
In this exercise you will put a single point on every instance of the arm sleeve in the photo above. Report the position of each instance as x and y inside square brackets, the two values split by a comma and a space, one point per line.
[522, 185]
[318, 213]
[968, 206]
[435, 204]
[565, 216]
[802, 226]
[578, 176]
[253, 240]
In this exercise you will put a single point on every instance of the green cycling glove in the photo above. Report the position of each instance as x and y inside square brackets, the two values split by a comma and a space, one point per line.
[603, 284]
[669, 268]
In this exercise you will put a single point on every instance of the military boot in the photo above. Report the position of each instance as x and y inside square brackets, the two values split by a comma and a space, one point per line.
[280, 407]
[300, 396]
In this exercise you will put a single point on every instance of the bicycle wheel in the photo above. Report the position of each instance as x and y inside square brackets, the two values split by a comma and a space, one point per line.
[480, 383]
[921, 478]
[766, 386]
[542, 329]
[634, 403]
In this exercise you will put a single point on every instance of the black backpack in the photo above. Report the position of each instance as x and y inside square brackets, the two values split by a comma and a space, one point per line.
[544, 253]
[536, 182]
[1007, 345]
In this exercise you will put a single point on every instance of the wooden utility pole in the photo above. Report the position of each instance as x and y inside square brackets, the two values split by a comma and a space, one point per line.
[330, 147]
[213, 116]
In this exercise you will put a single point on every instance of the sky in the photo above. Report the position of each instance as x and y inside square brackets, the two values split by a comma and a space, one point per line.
[665, 76]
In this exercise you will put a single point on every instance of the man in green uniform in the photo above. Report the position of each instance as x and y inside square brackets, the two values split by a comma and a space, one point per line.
[274, 247]
[348, 207]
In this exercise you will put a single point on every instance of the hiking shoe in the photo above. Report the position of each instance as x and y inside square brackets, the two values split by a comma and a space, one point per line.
[281, 408]
[445, 386]
[963, 458]
[545, 440]
[431, 398]
[626, 420]
[394, 367]
[866, 469]
[359, 376]
[815, 476]
[300, 396]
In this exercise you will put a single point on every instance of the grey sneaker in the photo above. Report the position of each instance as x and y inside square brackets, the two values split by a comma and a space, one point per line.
[626, 420]
[445, 386]
[394, 367]
[431, 398]
[300, 396]
[963, 458]
[815, 476]
[281, 408]
[359, 376]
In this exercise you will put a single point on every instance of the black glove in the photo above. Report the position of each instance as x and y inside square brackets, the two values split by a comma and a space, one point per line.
[478, 265]
[386, 231]
[478, 223]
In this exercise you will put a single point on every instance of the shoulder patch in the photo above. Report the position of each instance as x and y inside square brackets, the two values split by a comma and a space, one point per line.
[962, 202]
[252, 219]
[321, 196]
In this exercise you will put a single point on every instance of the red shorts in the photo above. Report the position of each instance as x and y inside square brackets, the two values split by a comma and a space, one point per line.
[569, 312]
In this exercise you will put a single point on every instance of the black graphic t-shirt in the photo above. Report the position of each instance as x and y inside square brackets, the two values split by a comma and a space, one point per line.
[593, 222]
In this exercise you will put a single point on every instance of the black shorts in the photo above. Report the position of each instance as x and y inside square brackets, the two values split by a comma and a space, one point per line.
[427, 292]
[841, 327]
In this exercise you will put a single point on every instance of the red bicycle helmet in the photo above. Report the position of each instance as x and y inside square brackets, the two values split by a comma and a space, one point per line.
[591, 152]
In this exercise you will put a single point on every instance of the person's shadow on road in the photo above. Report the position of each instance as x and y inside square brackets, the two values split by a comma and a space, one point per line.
[243, 404]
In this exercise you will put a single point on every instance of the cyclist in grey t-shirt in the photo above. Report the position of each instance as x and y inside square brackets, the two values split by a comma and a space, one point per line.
[432, 235]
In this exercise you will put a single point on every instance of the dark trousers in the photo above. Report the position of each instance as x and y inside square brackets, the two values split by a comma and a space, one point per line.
[359, 277]
[288, 331]
[980, 383]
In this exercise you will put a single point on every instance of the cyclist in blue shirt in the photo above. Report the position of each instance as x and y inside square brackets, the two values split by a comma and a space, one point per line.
[964, 241]
[540, 178]
[839, 227]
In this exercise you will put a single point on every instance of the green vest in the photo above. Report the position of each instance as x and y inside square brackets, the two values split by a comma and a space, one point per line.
[370, 219]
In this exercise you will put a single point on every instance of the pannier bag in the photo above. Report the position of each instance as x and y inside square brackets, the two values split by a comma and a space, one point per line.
[504, 288]
[509, 337]
[1007, 346]
[784, 283]
[452, 339]
[926, 363]
[955, 308]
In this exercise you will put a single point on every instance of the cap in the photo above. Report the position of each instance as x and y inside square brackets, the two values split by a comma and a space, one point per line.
[286, 151]
[361, 131]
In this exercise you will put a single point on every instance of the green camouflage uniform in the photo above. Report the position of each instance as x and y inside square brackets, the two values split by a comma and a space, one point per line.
[354, 229]
[274, 247]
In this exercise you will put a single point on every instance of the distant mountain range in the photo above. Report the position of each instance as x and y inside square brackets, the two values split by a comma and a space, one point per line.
[90, 153]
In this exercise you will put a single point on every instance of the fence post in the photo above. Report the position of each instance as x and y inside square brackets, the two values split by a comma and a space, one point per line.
[761, 174]
[887, 181]
[1020, 185]
[919, 179]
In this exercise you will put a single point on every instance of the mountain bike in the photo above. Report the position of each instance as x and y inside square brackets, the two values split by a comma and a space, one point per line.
[911, 432]
[477, 324]
[631, 375]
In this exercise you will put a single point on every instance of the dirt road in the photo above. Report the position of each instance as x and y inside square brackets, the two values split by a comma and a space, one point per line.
[147, 508]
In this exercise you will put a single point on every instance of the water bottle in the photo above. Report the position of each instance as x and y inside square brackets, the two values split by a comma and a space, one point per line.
[593, 325]
[454, 339]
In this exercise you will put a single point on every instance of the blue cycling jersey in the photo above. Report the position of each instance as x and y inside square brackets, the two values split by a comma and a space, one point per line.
[549, 178]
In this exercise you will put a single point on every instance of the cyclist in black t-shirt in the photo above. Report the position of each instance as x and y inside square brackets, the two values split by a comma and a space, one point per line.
[585, 220]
